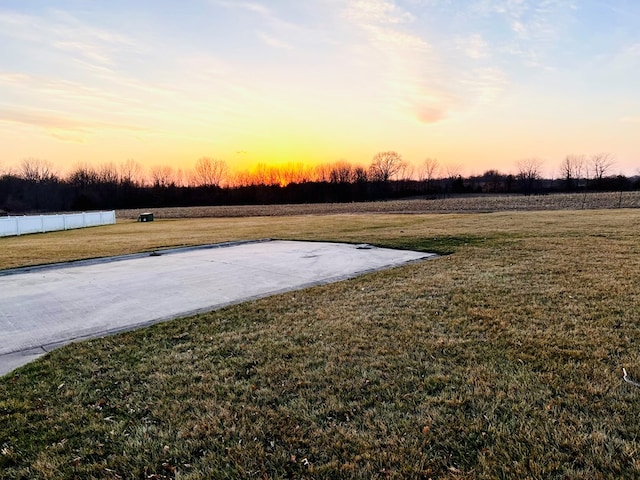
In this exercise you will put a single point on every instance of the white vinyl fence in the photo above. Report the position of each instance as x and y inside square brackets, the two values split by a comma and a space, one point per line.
[49, 223]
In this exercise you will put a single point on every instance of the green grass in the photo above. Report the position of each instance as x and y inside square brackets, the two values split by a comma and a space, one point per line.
[502, 359]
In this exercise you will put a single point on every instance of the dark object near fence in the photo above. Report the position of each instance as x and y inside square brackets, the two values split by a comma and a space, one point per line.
[145, 217]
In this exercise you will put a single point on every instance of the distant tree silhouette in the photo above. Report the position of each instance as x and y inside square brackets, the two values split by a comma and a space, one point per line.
[341, 172]
[385, 166]
[33, 186]
[405, 172]
[108, 173]
[162, 176]
[572, 170]
[360, 175]
[429, 172]
[83, 175]
[264, 174]
[294, 173]
[322, 172]
[130, 173]
[451, 180]
[209, 172]
[491, 181]
[529, 174]
[36, 170]
[600, 165]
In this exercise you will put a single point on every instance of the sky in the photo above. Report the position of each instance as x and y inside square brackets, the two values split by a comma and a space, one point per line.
[477, 84]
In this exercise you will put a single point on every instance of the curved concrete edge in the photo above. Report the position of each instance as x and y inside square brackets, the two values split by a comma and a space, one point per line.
[11, 361]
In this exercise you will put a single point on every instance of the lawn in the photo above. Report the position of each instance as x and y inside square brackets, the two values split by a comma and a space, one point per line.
[501, 359]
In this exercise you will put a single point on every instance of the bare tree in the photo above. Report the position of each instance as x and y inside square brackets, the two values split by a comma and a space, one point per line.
[406, 172]
[162, 176]
[179, 178]
[209, 172]
[130, 173]
[83, 175]
[7, 171]
[260, 174]
[36, 170]
[429, 171]
[600, 165]
[453, 171]
[108, 173]
[360, 175]
[341, 172]
[492, 181]
[294, 173]
[529, 174]
[322, 172]
[454, 174]
[386, 165]
[572, 170]
[242, 179]
[264, 174]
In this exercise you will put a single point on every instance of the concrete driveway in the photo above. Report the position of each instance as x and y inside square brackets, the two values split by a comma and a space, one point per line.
[42, 308]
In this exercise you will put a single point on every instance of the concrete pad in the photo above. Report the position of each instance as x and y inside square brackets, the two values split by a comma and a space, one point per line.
[45, 307]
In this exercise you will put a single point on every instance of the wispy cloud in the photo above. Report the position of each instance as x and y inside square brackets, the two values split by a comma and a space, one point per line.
[377, 12]
[239, 68]
[63, 32]
[432, 83]
[474, 46]
[405, 56]
[254, 7]
[65, 128]
[117, 94]
[633, 50]
[274, 42]
[276, 31]
[385, 23]
[528, 19]
[485, 84]
[535, 26]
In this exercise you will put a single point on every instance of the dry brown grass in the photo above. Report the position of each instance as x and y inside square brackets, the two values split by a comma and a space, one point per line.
[130, 237]
[503, 360]
[310, 222]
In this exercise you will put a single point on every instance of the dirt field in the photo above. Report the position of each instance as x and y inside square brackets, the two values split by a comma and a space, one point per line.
[460, 204]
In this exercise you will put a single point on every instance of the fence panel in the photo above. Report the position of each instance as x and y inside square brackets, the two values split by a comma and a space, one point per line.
[73, 220]
[29, 225]
[51, 223]
[10, 226]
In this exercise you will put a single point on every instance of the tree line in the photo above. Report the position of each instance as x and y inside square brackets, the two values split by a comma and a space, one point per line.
[35, 186]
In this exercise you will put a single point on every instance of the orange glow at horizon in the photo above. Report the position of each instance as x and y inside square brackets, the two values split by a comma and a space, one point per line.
[103, 84]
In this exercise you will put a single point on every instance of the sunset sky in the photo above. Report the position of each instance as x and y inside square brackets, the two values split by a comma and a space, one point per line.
[475, 83]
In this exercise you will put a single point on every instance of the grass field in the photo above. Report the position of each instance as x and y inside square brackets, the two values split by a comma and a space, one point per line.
[502, 359]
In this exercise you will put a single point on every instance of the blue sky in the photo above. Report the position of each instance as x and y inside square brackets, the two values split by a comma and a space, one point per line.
[476, 83]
